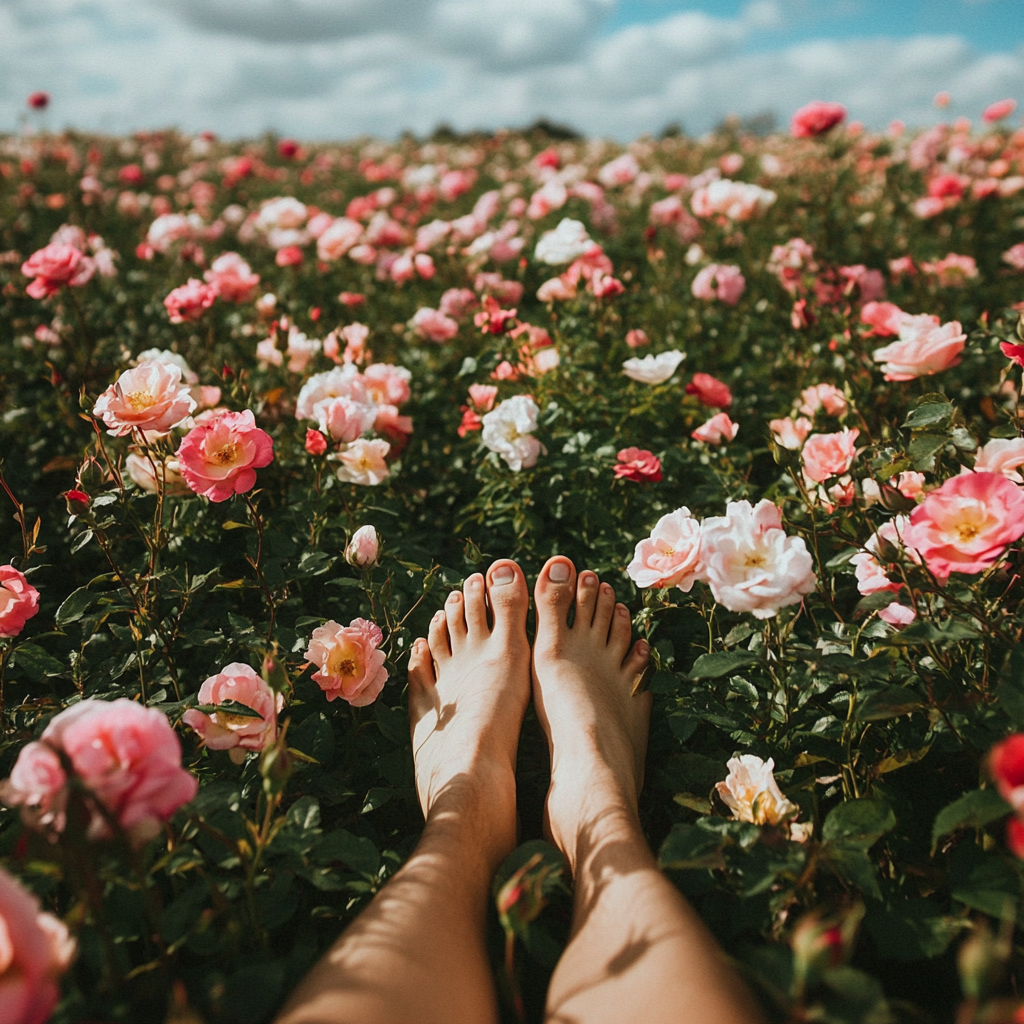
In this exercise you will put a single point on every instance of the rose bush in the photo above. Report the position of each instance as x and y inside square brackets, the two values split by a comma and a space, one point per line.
[253, 392]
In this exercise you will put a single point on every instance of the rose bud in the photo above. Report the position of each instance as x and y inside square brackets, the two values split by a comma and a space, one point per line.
[316, 443]
[77, 502]
[363, 548]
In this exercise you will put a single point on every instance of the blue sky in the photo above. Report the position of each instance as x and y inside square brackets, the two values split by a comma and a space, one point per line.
[333, 68]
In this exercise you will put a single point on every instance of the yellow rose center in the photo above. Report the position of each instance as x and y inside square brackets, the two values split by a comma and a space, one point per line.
[139, 400]
[343, 662]
[225, 454]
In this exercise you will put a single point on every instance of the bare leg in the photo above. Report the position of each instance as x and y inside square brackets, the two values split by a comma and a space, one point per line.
[417, 954]
[638, 951]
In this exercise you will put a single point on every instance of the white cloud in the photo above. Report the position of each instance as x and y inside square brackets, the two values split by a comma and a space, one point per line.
[379, 66]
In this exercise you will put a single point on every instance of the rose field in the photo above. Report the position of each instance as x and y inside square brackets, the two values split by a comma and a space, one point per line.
[264, 405]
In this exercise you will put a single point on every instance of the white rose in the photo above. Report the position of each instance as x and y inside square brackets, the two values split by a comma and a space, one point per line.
[653, 369]
[566, 243]
[341, 382]
[752, 794]
[507, 431]
[362, 462]
[157, 355]
[751, 564]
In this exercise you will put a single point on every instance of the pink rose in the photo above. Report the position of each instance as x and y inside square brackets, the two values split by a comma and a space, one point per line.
[232, 278]
[223, 730]
[884, 318]
[482, 396]
[966, 525]
[1014, 256]
[54, 266]
[350, 665]
[387, 384]
[751, 564]
[871, 574]
[816, 118]
[736, 200]
[710, 391]
[344, 419]
[671, 555]
[823, 396]
[433, 325]
[458, 302]
[19, 601]
[998, 110]
[717, 430]
[952, 270]
[190, 301]
[150, 397]
[316, 443]
[826, 455]
[923, 348]
[724, 282]
[220, 457]
[638, 465]
[637, 338]
[127, 756]
[1000, 455]
[790, 433]
[333, 243]
[363, 462]
[35, 950]
[363, 548]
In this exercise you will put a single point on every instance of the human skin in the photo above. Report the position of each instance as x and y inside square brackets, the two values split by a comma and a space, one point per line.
[637, 950]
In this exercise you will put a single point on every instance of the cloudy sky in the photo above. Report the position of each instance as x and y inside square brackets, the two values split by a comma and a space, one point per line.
[338, 68]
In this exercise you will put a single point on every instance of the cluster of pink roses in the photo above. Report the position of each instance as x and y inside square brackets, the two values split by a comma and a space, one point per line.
[19, 601]
[747, 559]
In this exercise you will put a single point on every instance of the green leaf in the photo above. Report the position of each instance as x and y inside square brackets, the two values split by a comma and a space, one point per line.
[851, 863]
[923, 448]
[314, 737]
[252, 991]
[304, 813]
[858, 822]
[74, 606]
[355, 852]
[892, 702]
[34, 661]
[973, 810]
[912, 929]
[229, 707]
[721, 663]
[929, 415]
[983, 880]
[689, 846]
[183, 912]
[393, 723]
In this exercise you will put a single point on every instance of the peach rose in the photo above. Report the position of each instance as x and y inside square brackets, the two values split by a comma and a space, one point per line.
[923, 348]
[966, 525]
[826, 455]
[670, 556]
[433, 325]
[884, 318]
[127, 756]
[871, 574]
[220, 457]
[19, 601]
[823, 396]
[387, 384]
[344, 419]
[223, 730]
[349, 664]
[342, 234]
[790, 433]
[752, 794]
[1004, 455]
[35, 950]
[150, 397]
[717, 430]
[55, 266]
[362, 462]
[232, 278]
[149, 474]
[723, 282]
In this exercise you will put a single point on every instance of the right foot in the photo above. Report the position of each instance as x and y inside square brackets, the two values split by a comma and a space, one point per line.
[583, 682]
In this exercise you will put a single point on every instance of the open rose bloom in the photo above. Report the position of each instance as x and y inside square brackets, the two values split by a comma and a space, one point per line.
[219, 458]
[35, 951]
[56, 266]
[151, 397]
[230, 731]
[349, 665]
[126, 756]
[19, 601]
[924, 347]
[670, 556]
[752, 794]
[967, 524]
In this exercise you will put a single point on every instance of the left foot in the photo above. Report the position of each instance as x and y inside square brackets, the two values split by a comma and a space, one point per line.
[469, 684]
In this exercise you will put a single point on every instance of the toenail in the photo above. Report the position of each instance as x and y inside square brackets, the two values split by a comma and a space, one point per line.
[621, 610]
[438, 615]
[642, 647]
[454, 597]
[502, 575]
[559, 572]
[589, 581]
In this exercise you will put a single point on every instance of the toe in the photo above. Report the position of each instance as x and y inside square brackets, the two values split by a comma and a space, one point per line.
[553, 595]
[508, 597]
[475, 600]
[421, 664]
[455, 614]
[620, 631]
[587, 588]
[603, 612]
[637, 659]
[437, 637]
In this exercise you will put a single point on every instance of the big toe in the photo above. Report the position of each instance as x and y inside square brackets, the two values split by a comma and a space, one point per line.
[553, 596]
[509, 598]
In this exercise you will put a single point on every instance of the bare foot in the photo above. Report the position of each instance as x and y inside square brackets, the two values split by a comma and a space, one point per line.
[469, 684]
[583, 682]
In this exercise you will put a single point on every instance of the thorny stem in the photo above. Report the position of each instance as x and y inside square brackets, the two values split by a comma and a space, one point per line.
[27, 546]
